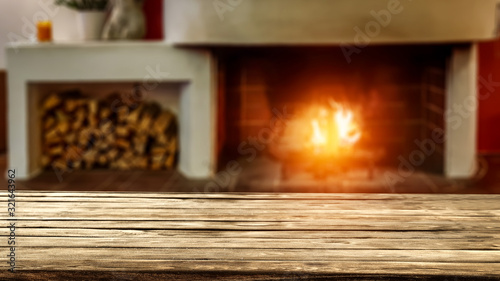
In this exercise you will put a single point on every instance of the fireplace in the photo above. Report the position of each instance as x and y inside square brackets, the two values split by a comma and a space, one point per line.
[407, 69]
[398, 97]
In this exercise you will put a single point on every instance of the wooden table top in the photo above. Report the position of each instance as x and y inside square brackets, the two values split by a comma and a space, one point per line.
[283, 234]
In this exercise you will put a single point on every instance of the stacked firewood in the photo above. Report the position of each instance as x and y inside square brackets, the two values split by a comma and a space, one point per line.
[80, 132]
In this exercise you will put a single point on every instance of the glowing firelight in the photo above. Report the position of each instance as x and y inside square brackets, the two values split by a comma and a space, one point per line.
[335, 129]
[318, 137]
[348, 131]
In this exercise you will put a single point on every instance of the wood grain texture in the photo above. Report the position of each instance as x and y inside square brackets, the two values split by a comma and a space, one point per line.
[301, 234]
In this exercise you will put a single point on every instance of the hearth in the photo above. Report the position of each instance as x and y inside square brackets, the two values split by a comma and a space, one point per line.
[323, 140]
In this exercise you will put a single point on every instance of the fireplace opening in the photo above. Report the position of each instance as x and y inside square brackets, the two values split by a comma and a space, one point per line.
[282, 111]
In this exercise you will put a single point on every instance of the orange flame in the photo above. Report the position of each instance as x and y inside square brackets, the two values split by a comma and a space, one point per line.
[318, 137]
[338, 129]
[348, 131]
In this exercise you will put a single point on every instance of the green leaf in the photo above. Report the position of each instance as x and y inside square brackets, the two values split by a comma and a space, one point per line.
[84, 5]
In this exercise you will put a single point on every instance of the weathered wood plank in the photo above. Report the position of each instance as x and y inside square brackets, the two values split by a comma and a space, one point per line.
[487, 204]
[235, 213]
[300, 234]
[283, 220]
[262, 243]
[332, 225]
[257, 196]
[256, 253]
[127, 209]
[284, 267]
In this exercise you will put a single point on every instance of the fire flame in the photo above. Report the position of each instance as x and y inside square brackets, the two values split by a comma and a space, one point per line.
[348, 131]
[335, 129]
[318, 137]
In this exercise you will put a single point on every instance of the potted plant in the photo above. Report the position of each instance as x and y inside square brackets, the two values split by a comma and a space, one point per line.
[90, 18]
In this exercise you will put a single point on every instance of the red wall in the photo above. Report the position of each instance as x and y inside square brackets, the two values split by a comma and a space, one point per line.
[153, 10]
[489, 108]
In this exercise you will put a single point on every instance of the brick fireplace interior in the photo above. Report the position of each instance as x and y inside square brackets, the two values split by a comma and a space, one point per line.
[398, 92]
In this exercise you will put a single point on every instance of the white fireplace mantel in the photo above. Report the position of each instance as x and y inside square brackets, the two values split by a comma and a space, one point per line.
[113, 62]
[320, 22]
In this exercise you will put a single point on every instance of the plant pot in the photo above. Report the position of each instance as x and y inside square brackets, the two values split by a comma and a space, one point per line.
[90, 24]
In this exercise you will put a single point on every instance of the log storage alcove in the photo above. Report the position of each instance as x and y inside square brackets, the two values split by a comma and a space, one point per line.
[256, 236]
[79, 132]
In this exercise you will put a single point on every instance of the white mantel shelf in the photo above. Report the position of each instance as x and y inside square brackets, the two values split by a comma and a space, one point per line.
[113, 62]
[88, 44]
[328, 22]
[116, 61]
